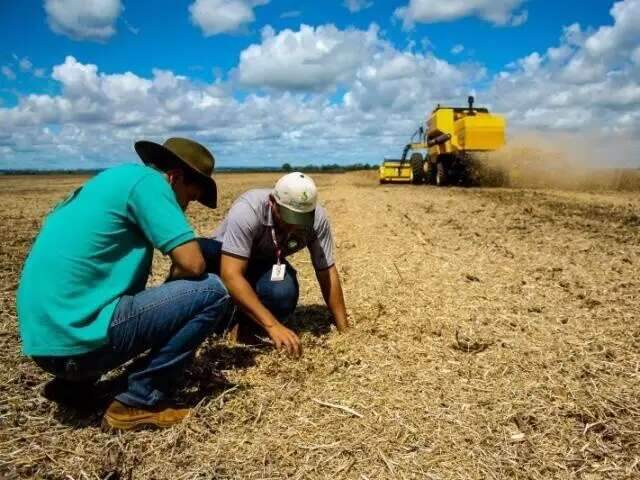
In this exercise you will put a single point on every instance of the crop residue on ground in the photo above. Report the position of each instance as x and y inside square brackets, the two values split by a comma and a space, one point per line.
[495, 335]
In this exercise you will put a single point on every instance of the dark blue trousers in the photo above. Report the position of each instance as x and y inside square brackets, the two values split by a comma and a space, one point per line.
[170, 321]
[281, 298]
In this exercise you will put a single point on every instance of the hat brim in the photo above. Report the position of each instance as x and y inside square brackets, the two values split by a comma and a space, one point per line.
[304, 219]
[156, 154]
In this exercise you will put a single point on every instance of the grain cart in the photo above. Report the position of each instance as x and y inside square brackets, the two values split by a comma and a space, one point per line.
[453, 139]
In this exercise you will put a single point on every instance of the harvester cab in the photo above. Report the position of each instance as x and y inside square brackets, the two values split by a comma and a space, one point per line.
[444, 153]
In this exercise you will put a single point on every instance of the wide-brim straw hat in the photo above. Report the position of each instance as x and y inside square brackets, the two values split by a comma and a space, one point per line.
[176, 151]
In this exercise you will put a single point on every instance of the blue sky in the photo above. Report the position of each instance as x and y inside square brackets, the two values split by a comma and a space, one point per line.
[329, 78]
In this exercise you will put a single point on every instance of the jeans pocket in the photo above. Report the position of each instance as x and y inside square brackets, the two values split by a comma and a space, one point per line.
[120, 313]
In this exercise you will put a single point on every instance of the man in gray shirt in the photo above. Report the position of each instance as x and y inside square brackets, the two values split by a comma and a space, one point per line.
[249, 248]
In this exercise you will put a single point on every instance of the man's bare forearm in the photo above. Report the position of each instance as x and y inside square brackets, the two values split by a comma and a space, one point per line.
[177, 273]
[331, 288]
[186, 262]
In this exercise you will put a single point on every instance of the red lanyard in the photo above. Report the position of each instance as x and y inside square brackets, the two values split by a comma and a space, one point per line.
[276, 244]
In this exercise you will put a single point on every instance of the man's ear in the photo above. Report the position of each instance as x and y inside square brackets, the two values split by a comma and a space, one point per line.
[173, 176]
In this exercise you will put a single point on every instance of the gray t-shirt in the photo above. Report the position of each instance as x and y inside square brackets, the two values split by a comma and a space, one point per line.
[246, 232]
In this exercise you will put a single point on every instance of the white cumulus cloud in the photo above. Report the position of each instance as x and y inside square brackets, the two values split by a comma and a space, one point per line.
[83, 19]
[214, 17]
[588, 81]
[97, 116]
[291, 14]
[324, 95]
[406, 83]
[356, 5]
[25, 64]
[622, 35]
[8, 72]
[498, 12]
[312, 58]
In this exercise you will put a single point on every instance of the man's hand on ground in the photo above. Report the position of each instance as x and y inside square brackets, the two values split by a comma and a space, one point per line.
[286, 339]
[342, 326]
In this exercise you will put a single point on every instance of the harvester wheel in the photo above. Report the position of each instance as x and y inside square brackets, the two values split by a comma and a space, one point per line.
[429, 172]
[442, 177]
[417, 169]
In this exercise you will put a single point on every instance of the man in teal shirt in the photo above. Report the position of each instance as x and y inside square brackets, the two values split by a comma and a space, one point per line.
[82, 305]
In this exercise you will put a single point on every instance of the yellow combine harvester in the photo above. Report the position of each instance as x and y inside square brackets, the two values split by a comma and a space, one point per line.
[453, 134]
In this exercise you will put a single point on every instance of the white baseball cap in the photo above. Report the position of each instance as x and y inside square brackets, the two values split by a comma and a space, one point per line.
[296, 196]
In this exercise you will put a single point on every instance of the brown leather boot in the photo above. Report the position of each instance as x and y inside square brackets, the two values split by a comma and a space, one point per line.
[122, 417]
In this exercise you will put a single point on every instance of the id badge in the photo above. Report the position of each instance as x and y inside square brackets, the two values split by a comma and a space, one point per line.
[277, 272]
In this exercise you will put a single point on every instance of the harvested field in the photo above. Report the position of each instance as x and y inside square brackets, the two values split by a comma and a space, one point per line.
[496, 335]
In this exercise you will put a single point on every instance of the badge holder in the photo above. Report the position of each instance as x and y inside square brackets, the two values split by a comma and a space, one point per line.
[278, 271]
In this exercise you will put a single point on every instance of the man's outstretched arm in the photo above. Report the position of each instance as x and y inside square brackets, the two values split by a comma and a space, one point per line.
[329, 281]
[232, 270]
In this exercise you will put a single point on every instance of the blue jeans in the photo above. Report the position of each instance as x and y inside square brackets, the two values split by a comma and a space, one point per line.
[280, 298]
[170, 321]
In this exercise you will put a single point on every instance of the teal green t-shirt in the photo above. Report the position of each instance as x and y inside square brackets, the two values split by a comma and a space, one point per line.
[94, 247]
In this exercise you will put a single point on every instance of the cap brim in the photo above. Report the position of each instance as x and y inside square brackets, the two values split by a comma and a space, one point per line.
[156, 154]
[304, 219]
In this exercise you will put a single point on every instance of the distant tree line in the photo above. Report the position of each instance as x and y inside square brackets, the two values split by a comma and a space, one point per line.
[329, 168]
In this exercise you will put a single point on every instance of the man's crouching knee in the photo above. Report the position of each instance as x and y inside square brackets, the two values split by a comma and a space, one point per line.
[216, 298]
[281, 298]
